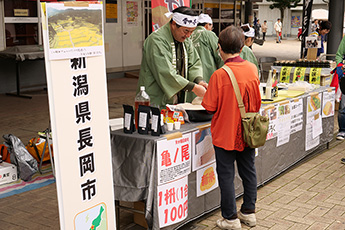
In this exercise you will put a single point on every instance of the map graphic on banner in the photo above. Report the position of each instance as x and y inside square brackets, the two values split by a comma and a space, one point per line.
[94, 218]
[74, 31]
[160, 7]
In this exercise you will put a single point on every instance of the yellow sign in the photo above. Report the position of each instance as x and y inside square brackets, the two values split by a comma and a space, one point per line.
[299, 74]
[285, 74]
[21, 12]
[111, 12]
[315, 76]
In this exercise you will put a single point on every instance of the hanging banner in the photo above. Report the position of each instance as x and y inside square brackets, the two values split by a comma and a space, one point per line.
[307, 5]
[78, 106]
[160, 7]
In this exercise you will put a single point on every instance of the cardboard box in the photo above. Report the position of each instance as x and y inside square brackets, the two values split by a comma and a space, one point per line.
[8, 173]
[326, 80]
[140, 218]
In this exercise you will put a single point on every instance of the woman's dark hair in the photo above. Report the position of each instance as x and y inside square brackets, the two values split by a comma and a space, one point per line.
[202, 24]
[231, 39]
[325, 25]
[184, 10]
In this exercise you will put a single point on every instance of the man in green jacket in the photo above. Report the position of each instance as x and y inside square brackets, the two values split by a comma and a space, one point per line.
[206, 43]
[171, 69]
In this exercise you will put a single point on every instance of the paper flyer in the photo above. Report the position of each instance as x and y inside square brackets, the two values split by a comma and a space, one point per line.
[203, 153]
[284, 123]
[314, 121]
[206, 179]
[296, 115]
[328, 103]
[272, 112]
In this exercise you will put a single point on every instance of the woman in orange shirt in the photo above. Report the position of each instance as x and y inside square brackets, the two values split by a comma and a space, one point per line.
[226, 128]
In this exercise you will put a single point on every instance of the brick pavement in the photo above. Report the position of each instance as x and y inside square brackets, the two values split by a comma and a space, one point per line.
[310, 196]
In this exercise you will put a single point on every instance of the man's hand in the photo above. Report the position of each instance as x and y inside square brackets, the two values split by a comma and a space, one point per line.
[204, 84]
[199, 90]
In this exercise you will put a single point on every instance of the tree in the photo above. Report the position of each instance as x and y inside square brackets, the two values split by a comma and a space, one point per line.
[282, 5]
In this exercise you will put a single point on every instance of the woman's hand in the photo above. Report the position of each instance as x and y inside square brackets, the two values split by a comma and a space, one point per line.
[199, 90]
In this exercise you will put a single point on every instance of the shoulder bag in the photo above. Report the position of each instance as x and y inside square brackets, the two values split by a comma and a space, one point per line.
[255, 126]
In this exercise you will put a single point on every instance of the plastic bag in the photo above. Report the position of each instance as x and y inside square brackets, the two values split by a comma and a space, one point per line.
[25, 163]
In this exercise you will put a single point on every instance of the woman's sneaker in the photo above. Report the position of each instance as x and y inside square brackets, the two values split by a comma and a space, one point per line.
[341, 136]
[247, 219]
[229, 224]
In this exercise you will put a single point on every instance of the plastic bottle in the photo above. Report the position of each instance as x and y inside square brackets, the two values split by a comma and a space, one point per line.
[268, 92]
[142, 98]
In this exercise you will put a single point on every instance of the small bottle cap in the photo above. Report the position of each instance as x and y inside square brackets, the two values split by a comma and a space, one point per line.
[142, 88]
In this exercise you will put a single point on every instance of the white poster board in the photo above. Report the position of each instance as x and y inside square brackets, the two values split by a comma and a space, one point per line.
[173, 158]
[172, 201]
[78, 107]
[272, 112]
[206, 179]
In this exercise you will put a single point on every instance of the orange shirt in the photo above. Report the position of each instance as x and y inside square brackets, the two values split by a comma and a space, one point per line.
[226, 126]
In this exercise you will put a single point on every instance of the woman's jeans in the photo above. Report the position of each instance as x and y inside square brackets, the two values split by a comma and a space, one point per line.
[226, 173]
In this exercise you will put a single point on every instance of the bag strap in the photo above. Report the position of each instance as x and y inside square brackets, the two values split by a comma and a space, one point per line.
[236, 89]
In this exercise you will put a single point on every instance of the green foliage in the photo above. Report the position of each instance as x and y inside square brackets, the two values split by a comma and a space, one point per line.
[283, 4]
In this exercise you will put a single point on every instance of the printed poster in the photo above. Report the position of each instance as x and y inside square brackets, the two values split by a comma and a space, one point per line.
[328, 103]
[206, 179]
[172, 201]
[111, 11]
[132, 13]
[160, 7]
[74, 31]
[173, 158]
[272, 112]
[296, 21]
[203, 153]
[296, 115]
[284, 123]
[314, 121]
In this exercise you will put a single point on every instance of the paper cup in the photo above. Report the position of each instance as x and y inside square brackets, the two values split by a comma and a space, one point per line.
[177, 125]
[170, 126]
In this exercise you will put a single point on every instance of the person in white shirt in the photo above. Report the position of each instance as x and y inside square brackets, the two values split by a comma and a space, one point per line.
[278, 29]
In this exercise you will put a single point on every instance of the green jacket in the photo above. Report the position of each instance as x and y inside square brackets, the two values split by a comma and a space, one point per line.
[158, 68]
[247, 54]
[206, 43]
[339, 56]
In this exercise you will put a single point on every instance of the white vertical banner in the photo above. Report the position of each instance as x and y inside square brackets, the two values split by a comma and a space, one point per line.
[78, 106]
[172, 201]
[174, 158]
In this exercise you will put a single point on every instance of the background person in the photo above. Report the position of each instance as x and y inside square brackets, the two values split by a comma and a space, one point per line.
[264, 30]
[226, 128]
[247, 53]
[206, 43]
[257, 29]
[278, 29]
[170, 66]
[320, 33]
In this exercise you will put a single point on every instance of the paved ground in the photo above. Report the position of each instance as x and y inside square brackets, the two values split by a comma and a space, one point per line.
[309, 196]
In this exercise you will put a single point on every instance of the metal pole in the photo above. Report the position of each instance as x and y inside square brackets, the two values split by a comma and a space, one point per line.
[335, 16]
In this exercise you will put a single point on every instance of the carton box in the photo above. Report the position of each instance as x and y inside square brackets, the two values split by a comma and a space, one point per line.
[140, 218]
[8, 173]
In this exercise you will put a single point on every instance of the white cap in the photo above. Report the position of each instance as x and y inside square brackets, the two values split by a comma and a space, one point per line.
[205, 18]
[142, 88]
[250, 33]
